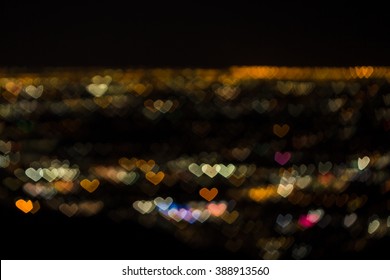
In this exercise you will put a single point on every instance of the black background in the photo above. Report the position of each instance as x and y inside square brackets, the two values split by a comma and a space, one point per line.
[193, 33]
[38, 34]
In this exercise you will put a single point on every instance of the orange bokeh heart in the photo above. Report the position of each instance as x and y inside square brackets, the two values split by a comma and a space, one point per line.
[90, 186]
[23, 205]
[208, 194]
[155, 178]
[281, 130]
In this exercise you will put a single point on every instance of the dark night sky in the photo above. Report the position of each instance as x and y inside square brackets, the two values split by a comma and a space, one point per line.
[192, 33]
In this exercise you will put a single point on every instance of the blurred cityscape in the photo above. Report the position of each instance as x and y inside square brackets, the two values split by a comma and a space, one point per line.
[261, 162]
